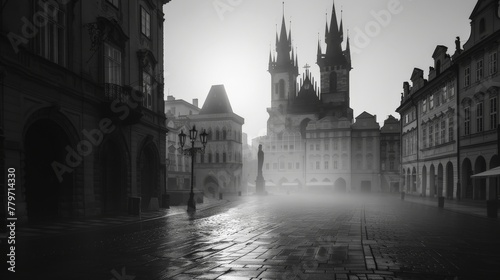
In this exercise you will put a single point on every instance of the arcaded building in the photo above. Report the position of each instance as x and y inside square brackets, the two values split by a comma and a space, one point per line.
[449, 121]
[82, 119]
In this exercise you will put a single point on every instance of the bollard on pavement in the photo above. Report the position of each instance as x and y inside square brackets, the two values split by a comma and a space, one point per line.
[441, 201]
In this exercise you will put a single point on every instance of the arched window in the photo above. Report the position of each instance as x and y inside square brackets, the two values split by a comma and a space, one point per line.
[224, 157]
[224, 134]
[217, 134]
[282, 88]
[216, 157]
[209, 137]
[333, 81]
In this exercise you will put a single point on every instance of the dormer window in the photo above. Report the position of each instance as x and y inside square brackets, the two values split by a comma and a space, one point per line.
[482, 26]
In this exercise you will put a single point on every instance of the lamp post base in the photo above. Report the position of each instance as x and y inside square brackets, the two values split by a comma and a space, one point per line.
[191, 203]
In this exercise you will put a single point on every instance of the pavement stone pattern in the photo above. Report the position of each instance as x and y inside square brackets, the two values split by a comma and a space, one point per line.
[279, 237]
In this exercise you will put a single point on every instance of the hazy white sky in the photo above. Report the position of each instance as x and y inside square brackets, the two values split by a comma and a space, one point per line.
[210, 42]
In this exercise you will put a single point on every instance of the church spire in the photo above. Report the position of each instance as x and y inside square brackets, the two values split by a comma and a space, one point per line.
[284, 58]
[334, 54]
[341, 28]
[348, 51]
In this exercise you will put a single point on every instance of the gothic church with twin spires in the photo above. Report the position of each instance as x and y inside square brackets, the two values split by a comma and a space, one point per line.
[312, 141]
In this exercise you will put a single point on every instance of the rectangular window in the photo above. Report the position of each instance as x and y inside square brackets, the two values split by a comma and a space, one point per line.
[436, 131]
[479, 117]
[467, 76]
[467, 120]
[326, 165]
[424, 105]
[451, 129]
[112, 65]
[327, 146]
[282, 165]
[431, 102]
[147, 90]
[424, 137]
[391, 165]
[275, 166]
[443, 131]
[493, 113]
[297, 165]
[317, 147]
[317, 165]
[290, 165]
[335, 144]
[479, 70]
[493, 63]
[431, 135]
[291, 147]
[335, 165]
[51, 41]
[145, 23]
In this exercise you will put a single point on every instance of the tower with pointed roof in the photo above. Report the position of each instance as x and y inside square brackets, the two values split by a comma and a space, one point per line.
[283, 67]
[335, 66]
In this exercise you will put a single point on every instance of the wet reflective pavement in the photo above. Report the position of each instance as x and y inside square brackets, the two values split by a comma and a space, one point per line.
[278, 237]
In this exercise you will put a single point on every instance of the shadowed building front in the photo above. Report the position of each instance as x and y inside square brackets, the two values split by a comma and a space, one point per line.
[82, 105]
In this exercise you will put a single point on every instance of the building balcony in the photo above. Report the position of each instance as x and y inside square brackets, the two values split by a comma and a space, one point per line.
[122, 104]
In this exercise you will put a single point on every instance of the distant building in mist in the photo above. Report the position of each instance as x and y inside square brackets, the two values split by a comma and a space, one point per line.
[81, 117]
[390, 147]
[219, 169]
[312, 142]
[450, 120]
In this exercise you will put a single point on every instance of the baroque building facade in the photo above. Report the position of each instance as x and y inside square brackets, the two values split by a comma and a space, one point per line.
[450, 120]
[312, 141]
[82, 105]
[219, 168]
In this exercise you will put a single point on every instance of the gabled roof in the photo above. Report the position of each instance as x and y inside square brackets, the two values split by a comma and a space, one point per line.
[217, 101]
[365, 115]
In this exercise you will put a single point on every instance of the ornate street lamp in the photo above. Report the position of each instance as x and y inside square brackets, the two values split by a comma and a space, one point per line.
[192, 151]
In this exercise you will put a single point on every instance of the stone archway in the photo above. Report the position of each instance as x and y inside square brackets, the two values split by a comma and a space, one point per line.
[479, 183]
[467, 191]
[48, 195]
[440, 180]
[211, 186]
[432, 181]
[414, 180]
[424, 181]
[493, 181]
[340, 185]
[449, 180]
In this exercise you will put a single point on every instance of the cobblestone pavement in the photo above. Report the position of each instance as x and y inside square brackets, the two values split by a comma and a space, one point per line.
[278, 237]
